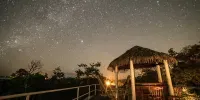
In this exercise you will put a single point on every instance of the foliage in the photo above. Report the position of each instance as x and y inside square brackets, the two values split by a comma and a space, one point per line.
[188, 70]
[172, 52]
[148, 75]
[190, 54]
[33, 67]
[89, 71]
[58, 74]
[20, 73]
[23, 78]
[186, 74]
[79, 73]
[46, 76]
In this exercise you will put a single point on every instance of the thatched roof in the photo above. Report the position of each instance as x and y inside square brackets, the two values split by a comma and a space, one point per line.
[142, 57]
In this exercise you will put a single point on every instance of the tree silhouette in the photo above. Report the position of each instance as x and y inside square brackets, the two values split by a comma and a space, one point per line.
[58, 74]
[190, 53]
[79, 73]
[46, 76]
[23, 74]
[188, 70]
[89, 71]
[34, 66]
[172, 52]
[20, 73]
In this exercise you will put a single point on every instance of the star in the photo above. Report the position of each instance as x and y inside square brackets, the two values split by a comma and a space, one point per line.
[20, 50]
[158, 3]
[82, 41]
[16, 41]
[74, 29]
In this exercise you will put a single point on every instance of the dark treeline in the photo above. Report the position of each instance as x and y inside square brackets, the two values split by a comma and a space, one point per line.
[31, 80]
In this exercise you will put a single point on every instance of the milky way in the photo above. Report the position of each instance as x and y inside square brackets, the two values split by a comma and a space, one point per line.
[69, 32]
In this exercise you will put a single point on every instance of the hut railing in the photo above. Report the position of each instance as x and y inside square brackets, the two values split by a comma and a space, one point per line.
[160, 92]
[148, 90]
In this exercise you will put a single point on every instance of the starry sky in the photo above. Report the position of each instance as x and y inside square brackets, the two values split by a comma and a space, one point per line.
[69, 32]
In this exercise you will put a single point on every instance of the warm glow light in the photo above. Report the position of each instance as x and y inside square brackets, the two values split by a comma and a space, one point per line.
[108, 83]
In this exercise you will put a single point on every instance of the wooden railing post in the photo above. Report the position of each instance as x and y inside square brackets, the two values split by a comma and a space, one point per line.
[89, 93]
[95, 89]
[77, 93]
[27, 97]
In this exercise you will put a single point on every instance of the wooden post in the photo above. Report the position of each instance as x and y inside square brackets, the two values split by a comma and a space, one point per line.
[159, 73]
[169, 81]
[95, 89]
[27, 97]
[116, 82]
[77, 95]
[106, 89]
[89, 93]
[132, 80]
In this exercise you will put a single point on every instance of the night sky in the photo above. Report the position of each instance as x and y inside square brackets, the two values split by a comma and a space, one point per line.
[69, 32]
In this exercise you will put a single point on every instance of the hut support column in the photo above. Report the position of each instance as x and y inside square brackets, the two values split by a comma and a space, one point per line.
[116, 82]
[159, 73]
[132, 80]
[169, 81]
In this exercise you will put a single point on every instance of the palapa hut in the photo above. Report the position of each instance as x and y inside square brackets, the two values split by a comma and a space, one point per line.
[139, 57]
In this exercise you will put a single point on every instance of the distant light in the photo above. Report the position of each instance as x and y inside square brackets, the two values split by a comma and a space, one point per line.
[81, 41]
[184, 89]
[108, 83]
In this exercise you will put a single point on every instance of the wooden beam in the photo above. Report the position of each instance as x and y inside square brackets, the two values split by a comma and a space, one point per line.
[169, 81]
[116, 82]
[159, 73]
[132, 71]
